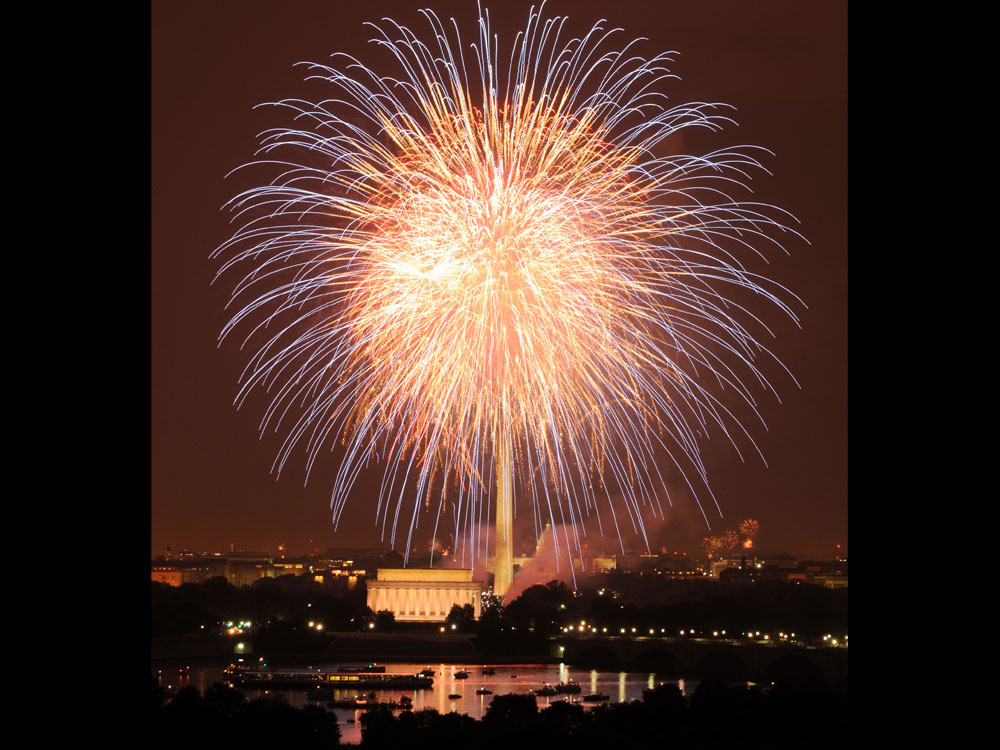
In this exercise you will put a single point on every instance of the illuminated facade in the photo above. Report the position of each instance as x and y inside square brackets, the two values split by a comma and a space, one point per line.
[420, 595]
[167, 574]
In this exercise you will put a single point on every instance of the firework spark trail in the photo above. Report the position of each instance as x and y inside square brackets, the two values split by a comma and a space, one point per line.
[450, 270]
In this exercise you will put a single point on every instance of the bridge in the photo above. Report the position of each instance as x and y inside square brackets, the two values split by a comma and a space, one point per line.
[702, 657]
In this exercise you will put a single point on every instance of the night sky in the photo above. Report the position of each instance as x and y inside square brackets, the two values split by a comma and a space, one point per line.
[783, 65]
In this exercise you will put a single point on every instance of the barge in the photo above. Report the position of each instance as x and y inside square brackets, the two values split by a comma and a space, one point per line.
[370, 669]
[266, 678]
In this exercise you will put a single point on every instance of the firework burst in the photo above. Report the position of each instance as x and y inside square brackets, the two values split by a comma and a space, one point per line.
[485, 276]
[749, 528]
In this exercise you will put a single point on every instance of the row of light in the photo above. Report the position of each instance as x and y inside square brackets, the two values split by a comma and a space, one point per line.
[233, 630]
[716, 633]
[652, 631]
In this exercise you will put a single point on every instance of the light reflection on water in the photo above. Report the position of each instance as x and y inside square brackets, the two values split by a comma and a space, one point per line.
[618, 686]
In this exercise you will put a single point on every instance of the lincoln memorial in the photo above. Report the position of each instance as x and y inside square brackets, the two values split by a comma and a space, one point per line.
[422, 595]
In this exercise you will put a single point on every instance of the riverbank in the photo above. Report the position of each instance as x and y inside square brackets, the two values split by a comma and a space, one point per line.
[447, 648]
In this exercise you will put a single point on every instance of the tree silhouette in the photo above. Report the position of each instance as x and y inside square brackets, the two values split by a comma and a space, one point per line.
[462, 616]
[385, 619]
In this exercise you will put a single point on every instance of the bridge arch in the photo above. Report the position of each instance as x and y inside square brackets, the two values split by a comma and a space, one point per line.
[722, 664]
[598, 656]
[656, 659]
[793, 668]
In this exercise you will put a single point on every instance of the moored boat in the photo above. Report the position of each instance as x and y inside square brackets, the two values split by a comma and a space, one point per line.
[595, 697]
[570, 686]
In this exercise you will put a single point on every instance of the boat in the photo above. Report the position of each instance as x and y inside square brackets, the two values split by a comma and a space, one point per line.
[369, 669]
[514, 676]
[461, 675]
[595, 697]
[427, 672]
[570, 686]
[484, 691]
[453, 696]
[349, 681]
[360, 702]
[489, 670]
[546, 690]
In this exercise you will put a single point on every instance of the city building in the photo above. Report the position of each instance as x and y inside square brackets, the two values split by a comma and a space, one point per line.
[730, 576]
[168, 574]
[178, 573]
[830, 581]
[240, 569]
[603, 563]
[423, 595]
[285, 567]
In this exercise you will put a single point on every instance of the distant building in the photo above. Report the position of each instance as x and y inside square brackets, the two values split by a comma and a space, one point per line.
[347, 556]
[168, 574]
[184, 572]
[717, 566]
[290, 567]
[831, 581]
[250, 557]
[603, 564]
[736, 575]
[240, 568]
[423, 595]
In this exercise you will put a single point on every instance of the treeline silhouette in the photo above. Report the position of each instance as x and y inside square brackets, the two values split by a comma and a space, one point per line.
[186, 608]
[716, 715]
[280, 609]
[542, 611]
[224, 718]
[807, 715]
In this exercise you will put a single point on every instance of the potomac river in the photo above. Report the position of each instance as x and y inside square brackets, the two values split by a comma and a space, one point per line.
[618, 686]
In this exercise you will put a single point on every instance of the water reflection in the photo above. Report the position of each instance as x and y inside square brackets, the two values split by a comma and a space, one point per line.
[529, 677]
